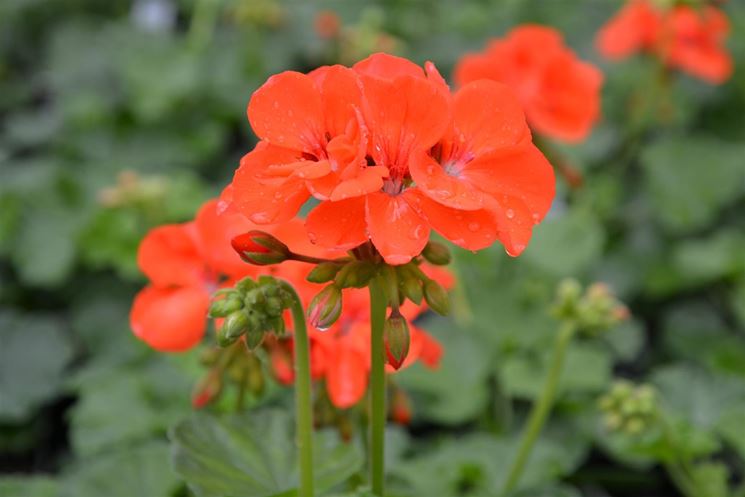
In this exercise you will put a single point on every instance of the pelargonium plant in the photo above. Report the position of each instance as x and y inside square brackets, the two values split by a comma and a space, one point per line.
[388, 154]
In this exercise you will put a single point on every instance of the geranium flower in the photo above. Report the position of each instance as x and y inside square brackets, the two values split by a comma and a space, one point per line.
[185, 264]
[560, 93]
[684, 37]
[350, 137]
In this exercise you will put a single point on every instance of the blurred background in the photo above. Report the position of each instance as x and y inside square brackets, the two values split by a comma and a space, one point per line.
[116, 116]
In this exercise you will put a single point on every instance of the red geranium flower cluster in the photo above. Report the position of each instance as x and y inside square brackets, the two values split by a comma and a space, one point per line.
[684, 37]
[391, 154]
[560, 93]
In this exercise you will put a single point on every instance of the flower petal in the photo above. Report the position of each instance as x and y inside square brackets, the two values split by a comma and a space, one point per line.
[172, 319]
[169, 256]
[487, 115]
[472, 230]
[346, 375]
[215, 232]
[287, 111]
[452, 191]
[386, 66]
[521, 182]
[266, 202]
[339, 225]
[396, 229]
[403, 115]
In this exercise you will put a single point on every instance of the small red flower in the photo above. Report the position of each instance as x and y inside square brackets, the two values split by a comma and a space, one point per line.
[185, 264]
[560, 93]
[689, 39]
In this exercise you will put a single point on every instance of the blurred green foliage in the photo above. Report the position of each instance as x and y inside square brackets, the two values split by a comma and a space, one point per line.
[117, 116]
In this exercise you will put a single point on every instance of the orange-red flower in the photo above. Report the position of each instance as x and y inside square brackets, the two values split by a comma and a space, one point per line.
[185, 264]
[352, 138]
[560, 93]
[689, 39]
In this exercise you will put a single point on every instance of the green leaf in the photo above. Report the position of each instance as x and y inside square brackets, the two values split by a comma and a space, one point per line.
[690, 179]
[141, 471]
[587, 369]
[254, 455]
[566, 244]
[477, 463]
[33, 355]
[730, 428]
[457, 390]
[711, 478]
[28, 486]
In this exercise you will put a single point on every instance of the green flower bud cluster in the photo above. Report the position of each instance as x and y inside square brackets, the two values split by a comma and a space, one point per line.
[594, 311]
[628, 408]
[250, 309]
[416, 286]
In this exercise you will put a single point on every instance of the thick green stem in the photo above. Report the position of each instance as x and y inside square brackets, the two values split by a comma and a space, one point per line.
[541, 408]
[303, 402]
[378, 306]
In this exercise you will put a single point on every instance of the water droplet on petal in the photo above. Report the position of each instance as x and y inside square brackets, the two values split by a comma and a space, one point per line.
[510, 214]
[312, 237]
[418, 232]
[474, 226]
[259, 218]
[276, 104]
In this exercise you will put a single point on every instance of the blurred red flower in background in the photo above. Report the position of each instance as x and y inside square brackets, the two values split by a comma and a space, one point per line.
[352, 139]
[185, 264]
[341, 354]
[559, 92]
[684, 37]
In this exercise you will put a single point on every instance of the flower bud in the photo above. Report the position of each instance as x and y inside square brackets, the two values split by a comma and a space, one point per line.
[221, 308]
[401, 407]
[233, 327]
[436, 253]
[436, 297]
[410, 285]
[254, 337]
[356, 274]
[323, 272]
[396, 336]
[325, 308]
[260, 248]
[206, 391]
[629, 409]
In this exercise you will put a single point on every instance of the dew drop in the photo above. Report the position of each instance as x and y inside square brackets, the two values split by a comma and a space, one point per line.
[536, 217]
[276, 104]
[278, 195]
[430, 169]
[259, 218]
[510, 214]
[418, 232]
[474, 226]
[312, 237]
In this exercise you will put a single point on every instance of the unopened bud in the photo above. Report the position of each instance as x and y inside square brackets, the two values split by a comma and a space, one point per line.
[260, 248]
[254, 337]
[436, 297]
[206, 391]
[232, 328]
[221, 308]
[323, 272]
[396, 336]
[355, 274]
[401, 407]
[436, 253]
[325, 308]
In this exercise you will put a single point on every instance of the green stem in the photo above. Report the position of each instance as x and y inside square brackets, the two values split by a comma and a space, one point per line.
[541, 408]
[303, 403]
[378, 306]
[678, 468]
